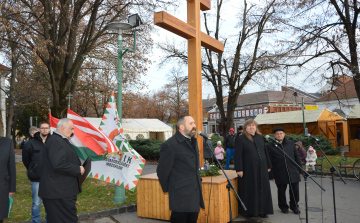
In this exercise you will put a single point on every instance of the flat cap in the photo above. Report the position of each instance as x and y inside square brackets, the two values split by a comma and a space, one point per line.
[279, 128]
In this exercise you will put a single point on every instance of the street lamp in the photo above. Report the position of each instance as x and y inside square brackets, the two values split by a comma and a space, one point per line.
[133, 21]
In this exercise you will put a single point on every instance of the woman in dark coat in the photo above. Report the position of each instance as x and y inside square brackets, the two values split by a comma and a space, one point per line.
[252, 166]
[302, 151]
[7, 175]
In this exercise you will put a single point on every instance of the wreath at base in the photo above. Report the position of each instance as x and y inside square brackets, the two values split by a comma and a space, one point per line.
[209, 170]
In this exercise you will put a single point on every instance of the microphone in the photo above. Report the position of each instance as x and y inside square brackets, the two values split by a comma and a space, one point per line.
[308, 135]
[272, 139]
[202, 134]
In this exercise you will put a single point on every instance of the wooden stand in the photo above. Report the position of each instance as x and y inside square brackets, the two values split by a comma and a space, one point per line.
[152, 202]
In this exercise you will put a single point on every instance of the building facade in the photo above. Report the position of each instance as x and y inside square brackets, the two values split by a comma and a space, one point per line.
[250, 105]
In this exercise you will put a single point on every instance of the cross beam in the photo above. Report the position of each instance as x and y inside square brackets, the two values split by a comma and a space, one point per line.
[192, 32]
[183, 29]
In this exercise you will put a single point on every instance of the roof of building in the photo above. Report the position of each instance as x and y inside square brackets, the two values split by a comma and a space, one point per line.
[269, 96]
[345, 91]
[4, 68]
[137, 125]
[300, 93]
[208, 102]
[355, 112]
[294, 117]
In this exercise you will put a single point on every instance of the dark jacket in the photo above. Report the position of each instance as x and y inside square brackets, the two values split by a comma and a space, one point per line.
[338, 135]
[230, 141]
[279, 171]
[254, 187]
[302, 152]
[59, 178]
[207, 145]
[178, 173]
[33, 157]
[7, 174]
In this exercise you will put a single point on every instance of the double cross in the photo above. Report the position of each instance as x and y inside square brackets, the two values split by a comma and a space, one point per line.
[192, 32]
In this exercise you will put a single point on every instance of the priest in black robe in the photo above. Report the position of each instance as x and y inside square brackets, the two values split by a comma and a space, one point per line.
[252, 166]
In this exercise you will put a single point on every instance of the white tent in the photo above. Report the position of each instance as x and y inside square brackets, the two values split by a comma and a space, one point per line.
[141, 128]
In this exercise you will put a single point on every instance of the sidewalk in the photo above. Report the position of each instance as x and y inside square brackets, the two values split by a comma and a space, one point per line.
[347, 204]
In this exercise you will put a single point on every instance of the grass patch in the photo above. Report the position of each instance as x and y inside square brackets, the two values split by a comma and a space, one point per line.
[335, 161]
[96, 195]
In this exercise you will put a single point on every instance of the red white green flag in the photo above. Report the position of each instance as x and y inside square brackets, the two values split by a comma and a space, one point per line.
[113, 158]
[88, 141]
[121, 168]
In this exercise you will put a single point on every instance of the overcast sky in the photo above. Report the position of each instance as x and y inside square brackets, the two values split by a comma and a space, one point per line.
[156, 77]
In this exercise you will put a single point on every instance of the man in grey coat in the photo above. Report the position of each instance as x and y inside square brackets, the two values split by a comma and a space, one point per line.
[178, 172]
[7, 175]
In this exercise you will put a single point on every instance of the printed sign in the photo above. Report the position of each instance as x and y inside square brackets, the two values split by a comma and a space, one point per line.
[247, 113]
[239, 114]
[260, 111]
[251, 112]
[255, 112]
[235, 114]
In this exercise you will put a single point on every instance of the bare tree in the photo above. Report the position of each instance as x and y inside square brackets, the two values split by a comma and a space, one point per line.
[232, 70]
[325, 33]
[61, 33]
[176, 93]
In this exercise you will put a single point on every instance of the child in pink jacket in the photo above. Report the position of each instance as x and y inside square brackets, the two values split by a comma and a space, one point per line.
[219, 152]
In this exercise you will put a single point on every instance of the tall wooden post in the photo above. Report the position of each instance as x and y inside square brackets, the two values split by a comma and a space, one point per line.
[194, 70]
[192, 32]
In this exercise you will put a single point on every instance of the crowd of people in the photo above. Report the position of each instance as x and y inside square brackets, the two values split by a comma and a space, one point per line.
[53, 173]
[255, 162]
[52, 167]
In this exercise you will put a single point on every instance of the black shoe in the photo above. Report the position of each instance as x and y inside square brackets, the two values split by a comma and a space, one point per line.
[263, 216]
[296, 211]
[285, 211]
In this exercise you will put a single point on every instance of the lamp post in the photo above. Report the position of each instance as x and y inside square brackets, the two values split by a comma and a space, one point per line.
[133, 21]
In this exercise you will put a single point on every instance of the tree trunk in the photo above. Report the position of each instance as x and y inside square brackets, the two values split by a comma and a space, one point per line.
[10, 116]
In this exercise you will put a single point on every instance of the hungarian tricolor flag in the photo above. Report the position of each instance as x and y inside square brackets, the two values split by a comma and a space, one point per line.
[113, 158]
[88, 141]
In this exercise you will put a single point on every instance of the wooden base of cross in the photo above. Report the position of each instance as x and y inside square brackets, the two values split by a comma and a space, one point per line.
[192, 32]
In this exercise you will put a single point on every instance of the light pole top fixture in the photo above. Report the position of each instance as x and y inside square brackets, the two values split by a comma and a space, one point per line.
[133, 21]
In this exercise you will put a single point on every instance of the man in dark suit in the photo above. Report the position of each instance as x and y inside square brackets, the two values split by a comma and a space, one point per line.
[178, 172]
[284, 171]
[7, 175]
[59, 185]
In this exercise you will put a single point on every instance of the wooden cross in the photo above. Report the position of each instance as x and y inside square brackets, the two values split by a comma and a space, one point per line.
[192, 32]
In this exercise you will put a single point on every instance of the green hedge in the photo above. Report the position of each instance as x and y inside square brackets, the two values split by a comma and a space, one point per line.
[147, 148]
[324, 143]
[150, 148]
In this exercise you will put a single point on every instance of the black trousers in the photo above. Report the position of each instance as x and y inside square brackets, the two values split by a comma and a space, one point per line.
[294, 199]
[61, 210]
[184, 217]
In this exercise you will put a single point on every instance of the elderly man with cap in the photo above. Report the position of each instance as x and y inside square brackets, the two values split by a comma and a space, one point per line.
[240, 131]
[284, 171]
[230, 147]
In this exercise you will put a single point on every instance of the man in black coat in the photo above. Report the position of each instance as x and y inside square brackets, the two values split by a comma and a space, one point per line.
[284, 171]
[229, 147]
[32, 157]
[59, 185]
[178, 172]
[8, 175]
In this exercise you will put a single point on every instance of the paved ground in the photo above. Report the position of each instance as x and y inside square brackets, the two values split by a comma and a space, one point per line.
[347, 204]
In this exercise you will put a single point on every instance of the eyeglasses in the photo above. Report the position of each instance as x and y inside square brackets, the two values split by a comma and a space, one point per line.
[44, 128]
